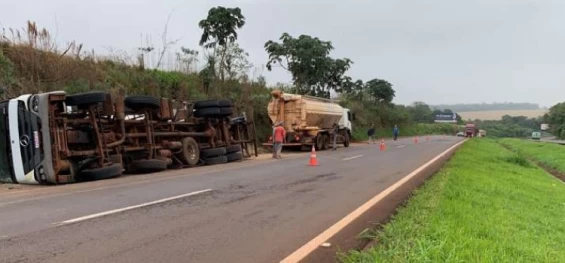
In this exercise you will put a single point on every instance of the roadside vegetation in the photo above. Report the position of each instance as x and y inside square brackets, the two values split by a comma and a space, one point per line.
[31, 61]
[510, 126]
[417, 129]
[556, 119]
[548, 154]
[487, 204]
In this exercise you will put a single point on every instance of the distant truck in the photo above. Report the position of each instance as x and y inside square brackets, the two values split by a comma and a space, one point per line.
[536, 135]
[309, 120]
[471, 130]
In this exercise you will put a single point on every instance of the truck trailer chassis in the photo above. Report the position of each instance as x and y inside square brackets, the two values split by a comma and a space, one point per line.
[56, 138]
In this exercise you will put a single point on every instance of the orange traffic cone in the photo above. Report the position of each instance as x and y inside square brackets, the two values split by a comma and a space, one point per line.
[313, 159]
[416, 140]
[383, 145]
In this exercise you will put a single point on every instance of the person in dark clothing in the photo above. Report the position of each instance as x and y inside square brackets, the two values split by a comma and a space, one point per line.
[395, 132]
[371, 134]
[334, 133]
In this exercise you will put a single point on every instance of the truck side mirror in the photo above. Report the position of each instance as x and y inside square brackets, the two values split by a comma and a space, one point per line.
[352, 116]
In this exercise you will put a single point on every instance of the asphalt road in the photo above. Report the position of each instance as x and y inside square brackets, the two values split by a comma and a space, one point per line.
[254, 211]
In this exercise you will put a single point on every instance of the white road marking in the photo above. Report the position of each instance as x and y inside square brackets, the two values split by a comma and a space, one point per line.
[313, 244]
[400, 146]
[119, 210]
[351, 158]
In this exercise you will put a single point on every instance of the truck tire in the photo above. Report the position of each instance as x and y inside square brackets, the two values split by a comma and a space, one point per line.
[204, 104]
[225, 112]
[207, 113]
[190, 151]
[213, 152]
[346, 140]
[233, 148]
[217, 160]
[106, 172]
[326, 142]
[236, 156]
[86, 98]
[148, 166]
[225, 103]
[140, 102]
[319, 142]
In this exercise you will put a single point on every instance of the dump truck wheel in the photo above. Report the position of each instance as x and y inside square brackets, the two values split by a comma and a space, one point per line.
[233, 148]
[217, 160]
[319, 142]
[213, 152]
[203, 104]
[148, 166]
[325, 142]
[225, 103]
[207, 113]
[141, 102]
[86, 98]
[236, 156]
[346, 140]
[106, 172]
[190, 151]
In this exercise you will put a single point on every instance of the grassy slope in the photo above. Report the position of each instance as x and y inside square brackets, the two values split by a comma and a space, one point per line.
[486, 205]
[552, 155]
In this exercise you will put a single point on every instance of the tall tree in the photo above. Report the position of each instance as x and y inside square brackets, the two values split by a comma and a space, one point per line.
[236, 61]
[556, 119]
[421, 112]
[307, 58]
[220, 29]
[380, 91]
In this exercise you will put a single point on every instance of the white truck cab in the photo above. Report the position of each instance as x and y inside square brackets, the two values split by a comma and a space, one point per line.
[345, 121]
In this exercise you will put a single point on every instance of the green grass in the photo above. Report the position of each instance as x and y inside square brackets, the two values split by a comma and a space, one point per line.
[486, 205]
[550, 154]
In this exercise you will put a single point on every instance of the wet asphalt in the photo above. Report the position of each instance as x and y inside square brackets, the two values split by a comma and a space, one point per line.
[256, 211]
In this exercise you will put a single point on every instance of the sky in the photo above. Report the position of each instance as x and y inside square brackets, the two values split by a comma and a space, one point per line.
[435, 51]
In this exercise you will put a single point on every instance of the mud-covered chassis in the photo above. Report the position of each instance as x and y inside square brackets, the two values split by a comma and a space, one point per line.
[102, 136]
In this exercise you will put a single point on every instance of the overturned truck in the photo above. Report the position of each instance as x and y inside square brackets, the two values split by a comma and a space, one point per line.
[54, 138]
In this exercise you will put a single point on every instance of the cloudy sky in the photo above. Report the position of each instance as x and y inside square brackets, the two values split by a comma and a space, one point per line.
[437, 51]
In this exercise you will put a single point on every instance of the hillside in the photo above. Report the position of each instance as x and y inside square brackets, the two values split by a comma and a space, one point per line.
[497, 114]
[472, 107]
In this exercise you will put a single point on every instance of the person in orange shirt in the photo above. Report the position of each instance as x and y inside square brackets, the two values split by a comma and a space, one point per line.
[279, 137]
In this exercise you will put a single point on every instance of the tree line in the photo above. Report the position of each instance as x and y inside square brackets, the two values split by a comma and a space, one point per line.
[488, 106]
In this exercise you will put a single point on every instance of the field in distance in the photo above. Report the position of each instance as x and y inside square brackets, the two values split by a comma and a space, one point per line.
[497, 114]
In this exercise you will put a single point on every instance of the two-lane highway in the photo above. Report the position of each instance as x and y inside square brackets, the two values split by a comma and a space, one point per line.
[257, 211]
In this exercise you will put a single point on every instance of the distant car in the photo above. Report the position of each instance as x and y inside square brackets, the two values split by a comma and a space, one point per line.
[460, 134]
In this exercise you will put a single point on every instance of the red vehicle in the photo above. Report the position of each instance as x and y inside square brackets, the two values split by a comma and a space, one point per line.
[470, 130]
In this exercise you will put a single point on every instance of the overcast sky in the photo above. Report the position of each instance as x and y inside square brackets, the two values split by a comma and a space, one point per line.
[437, 51]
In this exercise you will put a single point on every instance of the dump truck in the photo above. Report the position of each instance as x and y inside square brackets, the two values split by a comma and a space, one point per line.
[54, 138]
[309, 121]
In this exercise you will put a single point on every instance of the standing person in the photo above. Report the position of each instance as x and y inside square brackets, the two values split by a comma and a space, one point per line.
[371, 134]
[279, 137]
[334, 133]
[395, 132]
